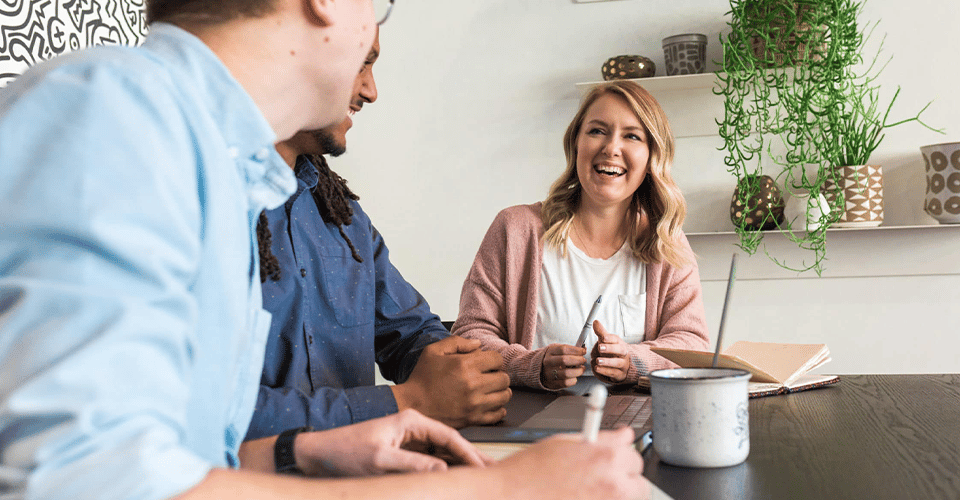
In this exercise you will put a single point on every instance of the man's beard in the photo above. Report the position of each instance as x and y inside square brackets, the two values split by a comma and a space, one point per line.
[328, 143]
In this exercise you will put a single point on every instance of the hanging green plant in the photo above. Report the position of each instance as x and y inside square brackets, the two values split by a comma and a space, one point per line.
[794, 108]
[858, 124]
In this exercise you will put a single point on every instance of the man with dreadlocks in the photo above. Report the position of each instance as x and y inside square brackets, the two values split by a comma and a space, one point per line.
[339, 306]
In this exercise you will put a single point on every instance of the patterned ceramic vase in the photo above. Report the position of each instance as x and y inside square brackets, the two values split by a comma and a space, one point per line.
[624, 67]
[862, 190]
[763, 210]
[942, 162]
[685, 54]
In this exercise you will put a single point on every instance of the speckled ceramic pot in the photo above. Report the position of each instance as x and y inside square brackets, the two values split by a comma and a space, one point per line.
[942, 163]
[624, 67]
[700, 416]
[763, 210]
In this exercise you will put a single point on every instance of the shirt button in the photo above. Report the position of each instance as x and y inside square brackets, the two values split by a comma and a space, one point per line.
[262, 155]
[233, 152]
[303, 272]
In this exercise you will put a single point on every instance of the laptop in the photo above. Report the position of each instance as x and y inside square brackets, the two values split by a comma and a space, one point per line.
[566, 413]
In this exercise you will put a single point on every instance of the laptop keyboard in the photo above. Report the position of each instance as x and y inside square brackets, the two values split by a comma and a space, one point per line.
[625, 411]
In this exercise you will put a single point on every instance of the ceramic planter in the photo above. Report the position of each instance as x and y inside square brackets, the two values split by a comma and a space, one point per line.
[862, 189]
[685, 54]
[942, 162]
[803, 212]
[781, 44]
[763, 210]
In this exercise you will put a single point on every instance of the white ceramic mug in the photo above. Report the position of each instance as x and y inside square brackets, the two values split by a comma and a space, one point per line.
[700, 416]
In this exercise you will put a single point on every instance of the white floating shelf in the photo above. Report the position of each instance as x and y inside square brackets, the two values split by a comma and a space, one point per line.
[659, 84]
[851, 253]
[682, 92]
[774, 232]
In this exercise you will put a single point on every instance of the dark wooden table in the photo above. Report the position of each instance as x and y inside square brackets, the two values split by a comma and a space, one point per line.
[868, 437]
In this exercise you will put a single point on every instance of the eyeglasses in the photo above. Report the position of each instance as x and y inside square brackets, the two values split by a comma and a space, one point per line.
[382, 10]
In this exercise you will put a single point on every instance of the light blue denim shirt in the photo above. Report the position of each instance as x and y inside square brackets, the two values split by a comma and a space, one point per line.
[131, 329]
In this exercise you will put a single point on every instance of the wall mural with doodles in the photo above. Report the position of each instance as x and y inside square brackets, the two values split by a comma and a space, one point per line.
[32, 31]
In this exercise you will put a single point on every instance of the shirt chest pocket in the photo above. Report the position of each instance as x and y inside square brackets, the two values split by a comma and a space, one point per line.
[348, 287]
[633, 313]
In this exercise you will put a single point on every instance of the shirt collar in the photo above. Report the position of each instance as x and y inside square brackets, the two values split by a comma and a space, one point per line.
[249, 138]
[307, 171]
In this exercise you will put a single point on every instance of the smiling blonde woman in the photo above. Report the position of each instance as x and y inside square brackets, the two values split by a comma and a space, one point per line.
[610, 227]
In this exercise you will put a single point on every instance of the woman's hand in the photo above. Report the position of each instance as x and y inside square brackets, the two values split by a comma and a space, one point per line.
[562, 364]
[610, 356]
[402, 442]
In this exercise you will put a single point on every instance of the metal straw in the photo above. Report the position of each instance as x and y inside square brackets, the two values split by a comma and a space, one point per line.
[726, 304]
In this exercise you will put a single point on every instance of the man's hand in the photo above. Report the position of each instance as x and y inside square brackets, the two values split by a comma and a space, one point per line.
[565, 467]
[396, 443]
[562, 364]
[610, 356]
[457, 383]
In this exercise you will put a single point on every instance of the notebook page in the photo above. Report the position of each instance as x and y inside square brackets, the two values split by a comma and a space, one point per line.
[703, 359]
[785, 362]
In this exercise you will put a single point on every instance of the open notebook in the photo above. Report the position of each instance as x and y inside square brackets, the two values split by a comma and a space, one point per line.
[776, 368]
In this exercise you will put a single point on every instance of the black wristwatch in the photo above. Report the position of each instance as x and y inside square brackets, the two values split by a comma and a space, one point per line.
[283, 457]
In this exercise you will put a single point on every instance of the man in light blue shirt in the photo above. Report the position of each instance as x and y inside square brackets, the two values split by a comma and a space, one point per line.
[131, 328]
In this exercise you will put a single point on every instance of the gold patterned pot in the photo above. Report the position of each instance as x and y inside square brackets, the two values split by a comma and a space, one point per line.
[942, 163]
[625, 67]
[761, 211]
[862, 189]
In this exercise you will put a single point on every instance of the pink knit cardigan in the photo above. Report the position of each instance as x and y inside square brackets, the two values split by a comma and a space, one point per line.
[498, 304]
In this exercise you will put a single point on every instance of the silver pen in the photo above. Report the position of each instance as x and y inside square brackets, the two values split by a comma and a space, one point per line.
[588, 326]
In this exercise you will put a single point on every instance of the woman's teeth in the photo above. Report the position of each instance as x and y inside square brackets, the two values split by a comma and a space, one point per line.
[610, 170]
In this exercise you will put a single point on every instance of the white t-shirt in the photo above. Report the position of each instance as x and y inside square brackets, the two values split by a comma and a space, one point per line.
[570, 285]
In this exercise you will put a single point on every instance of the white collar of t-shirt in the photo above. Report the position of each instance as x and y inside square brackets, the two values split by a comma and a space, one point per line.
[570, 285]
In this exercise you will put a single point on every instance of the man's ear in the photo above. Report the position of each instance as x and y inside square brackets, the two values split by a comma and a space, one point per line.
[319, 11]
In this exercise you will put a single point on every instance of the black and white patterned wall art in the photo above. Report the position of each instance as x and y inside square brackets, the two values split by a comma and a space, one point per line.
[32, 31]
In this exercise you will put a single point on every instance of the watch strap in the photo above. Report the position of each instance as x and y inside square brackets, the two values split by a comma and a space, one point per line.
[283, 457]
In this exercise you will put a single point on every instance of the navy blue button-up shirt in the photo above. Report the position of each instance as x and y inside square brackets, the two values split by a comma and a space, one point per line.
[333, 318]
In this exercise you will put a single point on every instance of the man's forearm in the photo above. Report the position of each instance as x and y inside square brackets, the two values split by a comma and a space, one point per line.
[462, 483]
[257, 455]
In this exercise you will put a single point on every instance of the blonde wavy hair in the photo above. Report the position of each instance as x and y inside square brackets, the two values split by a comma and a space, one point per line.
[658, 199]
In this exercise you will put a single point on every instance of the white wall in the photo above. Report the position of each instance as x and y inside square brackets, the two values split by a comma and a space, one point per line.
[474, 99]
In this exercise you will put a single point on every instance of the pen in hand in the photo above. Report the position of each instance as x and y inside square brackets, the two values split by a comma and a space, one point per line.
[588, 325]
[595, 403]
[646, 439]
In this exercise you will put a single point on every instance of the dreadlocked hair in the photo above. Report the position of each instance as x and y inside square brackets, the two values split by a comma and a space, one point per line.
[332, 197]
[269, 265]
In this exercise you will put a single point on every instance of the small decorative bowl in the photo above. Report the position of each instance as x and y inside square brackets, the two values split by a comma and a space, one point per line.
[624, 67]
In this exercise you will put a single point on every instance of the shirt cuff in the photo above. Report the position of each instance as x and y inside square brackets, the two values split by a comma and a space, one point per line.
[371, 402]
